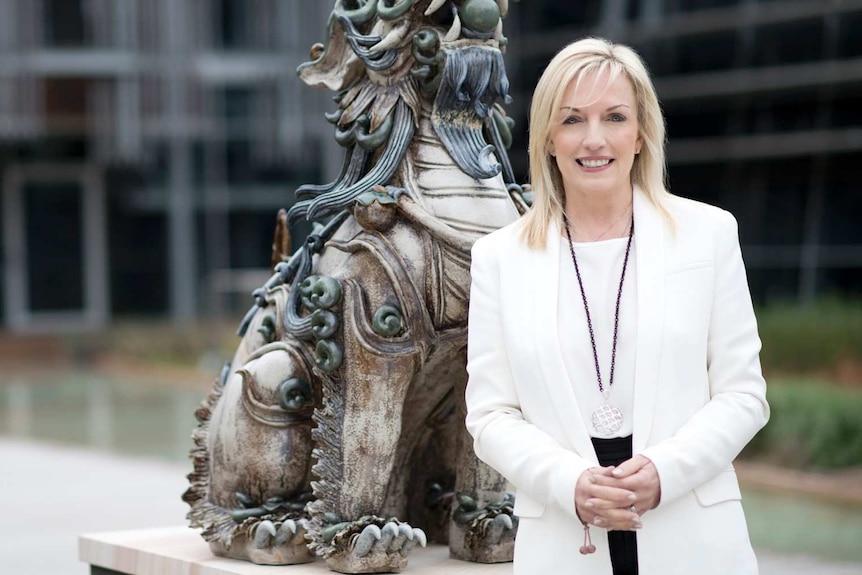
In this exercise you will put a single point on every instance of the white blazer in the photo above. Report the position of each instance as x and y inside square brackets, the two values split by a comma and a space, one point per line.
[699, 395]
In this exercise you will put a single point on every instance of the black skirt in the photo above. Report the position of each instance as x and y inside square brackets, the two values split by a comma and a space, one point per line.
[623, 544]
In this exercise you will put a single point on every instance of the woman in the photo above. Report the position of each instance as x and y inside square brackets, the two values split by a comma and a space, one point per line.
[613, 349]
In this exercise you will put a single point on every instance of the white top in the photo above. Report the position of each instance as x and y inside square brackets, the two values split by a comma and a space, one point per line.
[600, 264]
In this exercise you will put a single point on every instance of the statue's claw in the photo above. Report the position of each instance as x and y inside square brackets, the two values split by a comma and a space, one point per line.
[366, 540]
[388, 535]
[496, 528]
[264, 532]
[290, 531]
[408, 532]
[420, 538]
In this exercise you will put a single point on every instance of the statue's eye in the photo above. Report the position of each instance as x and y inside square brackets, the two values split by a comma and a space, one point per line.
[294, 394]
[267, 328]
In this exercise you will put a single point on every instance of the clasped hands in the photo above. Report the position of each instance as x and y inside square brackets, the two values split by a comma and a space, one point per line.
[615, 498]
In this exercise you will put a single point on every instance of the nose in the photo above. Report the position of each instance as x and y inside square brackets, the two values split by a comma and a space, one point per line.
[595, 136]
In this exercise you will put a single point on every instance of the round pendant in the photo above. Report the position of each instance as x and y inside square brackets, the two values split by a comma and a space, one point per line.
[607, 420]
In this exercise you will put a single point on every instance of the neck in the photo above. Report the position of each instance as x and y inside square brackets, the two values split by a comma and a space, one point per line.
[593, 218]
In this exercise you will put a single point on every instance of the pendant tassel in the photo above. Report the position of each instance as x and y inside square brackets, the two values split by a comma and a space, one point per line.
[588, 546]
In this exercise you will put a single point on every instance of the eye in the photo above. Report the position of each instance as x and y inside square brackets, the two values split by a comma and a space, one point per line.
[571, 120]
[617, 117]
[294, 394]
[267, 328]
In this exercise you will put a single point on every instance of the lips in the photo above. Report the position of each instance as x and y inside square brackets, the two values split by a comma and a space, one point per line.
[601, 163]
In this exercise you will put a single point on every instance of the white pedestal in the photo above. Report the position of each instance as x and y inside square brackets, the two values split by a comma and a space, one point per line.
[181, 551]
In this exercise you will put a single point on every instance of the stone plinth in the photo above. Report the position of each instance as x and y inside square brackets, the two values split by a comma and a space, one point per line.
[181, 550]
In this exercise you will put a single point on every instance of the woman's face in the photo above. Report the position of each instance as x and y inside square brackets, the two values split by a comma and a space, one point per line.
[595, 135]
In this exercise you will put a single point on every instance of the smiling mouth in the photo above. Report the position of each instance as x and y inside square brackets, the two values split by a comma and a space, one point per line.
[594, 163]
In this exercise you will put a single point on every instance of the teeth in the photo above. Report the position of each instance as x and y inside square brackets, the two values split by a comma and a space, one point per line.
[594, 163]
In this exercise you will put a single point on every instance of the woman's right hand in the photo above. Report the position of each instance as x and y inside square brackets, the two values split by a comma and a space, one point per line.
[598, 502]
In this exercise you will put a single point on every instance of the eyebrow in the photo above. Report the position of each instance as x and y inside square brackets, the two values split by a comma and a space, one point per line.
[573, 109]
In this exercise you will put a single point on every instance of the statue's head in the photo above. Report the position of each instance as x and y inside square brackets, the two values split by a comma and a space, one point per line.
[390, 39]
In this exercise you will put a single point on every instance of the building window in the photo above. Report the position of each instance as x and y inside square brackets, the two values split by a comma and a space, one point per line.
[850, 35]
[845, 110]
[704, 53]
[697, 119]
[66, 104]
[789, 43]
[53, 215]
[581, 14]
[844, 201]
[795, 114]
[65, 24]
[244, 24]
[675, 6]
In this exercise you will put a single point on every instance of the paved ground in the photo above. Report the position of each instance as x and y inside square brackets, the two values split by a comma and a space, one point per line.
[50, 494]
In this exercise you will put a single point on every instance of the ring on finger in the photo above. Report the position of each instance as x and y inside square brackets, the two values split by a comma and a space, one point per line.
[633, 509]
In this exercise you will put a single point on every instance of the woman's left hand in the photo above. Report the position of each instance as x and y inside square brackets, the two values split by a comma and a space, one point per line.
[640, 476]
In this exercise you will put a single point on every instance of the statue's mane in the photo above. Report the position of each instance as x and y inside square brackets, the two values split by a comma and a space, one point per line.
[379, 112]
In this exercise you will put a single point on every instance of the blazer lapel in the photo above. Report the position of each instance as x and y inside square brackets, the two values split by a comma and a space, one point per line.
[543, 274]
[650, 257]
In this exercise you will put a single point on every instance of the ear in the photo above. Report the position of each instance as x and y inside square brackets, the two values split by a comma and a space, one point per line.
[550, 148]
[639, 144]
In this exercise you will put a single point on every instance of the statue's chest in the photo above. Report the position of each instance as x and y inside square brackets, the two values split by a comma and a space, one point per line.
[435, 180]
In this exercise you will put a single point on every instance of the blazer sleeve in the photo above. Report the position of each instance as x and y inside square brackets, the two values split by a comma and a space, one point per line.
[526, 455]
[709, 441]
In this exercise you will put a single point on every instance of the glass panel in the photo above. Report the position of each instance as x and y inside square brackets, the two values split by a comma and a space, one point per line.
[843, 202]
[849, 38]
[55, 251]
[244, 24]
[674, 6]
[557, 15]
[715, 51]
[789, 43]
[64, 23]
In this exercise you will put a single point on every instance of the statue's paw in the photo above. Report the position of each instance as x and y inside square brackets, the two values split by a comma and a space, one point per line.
[364, 546]
[483, 534]
[288, 533]
[497, 530]
[269, 542]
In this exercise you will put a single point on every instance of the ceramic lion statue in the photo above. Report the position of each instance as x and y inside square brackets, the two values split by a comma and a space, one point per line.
[337, 431]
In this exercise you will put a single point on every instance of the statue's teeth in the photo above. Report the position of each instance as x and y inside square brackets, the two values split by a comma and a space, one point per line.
[436, 5]
[455, 31]
[393, 39]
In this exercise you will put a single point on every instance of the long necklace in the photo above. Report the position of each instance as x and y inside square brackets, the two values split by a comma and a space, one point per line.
[607, 419]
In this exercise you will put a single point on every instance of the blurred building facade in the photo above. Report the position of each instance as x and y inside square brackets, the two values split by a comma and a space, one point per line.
[762, 100]
[146, 145]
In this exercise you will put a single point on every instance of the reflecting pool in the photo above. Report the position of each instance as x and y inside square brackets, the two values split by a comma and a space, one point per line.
[81, 408]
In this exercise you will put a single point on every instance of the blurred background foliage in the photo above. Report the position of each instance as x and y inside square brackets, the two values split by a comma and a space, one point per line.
[824, 337]
[812, 358]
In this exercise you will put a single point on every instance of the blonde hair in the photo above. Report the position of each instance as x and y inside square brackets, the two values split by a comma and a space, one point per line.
[572, 63]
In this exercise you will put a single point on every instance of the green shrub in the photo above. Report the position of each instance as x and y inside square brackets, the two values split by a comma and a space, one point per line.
[813, 424]
[814, 337]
